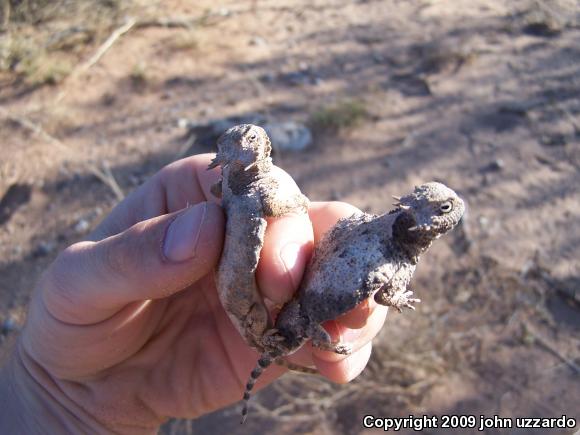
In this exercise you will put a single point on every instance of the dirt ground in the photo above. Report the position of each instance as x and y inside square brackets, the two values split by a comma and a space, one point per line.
[482, 95]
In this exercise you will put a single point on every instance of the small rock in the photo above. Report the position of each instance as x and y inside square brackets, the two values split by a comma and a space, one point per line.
[378, 58]
[268, 77]
[317, 81]
[483, 221]
[553, 140]
[9, 325]
[303, 66]
[206, 111]
[494, 166]
[205, 135]
[82, 226]
[43, 249]
[16, 196]
[410, 85]
[543, 29]
[289, 136]
[184, 123]
[296, 78]
[258, 41]
[462, 297]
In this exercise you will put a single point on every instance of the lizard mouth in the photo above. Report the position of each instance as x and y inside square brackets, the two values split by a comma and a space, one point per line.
[420, 228]
[425, 226]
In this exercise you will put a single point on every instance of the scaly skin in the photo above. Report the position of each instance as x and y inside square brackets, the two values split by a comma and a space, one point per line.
[249, 195]
[362, 256]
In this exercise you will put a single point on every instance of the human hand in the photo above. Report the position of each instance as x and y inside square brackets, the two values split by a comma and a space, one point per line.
[125, 330]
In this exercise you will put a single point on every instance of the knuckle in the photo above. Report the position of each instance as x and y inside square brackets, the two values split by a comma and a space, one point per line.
[58, 284]
[121, 254]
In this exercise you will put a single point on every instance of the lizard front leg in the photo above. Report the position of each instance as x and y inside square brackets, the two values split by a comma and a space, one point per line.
[393, 296]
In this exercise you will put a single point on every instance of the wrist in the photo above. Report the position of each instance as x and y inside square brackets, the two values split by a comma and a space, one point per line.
[31, 402]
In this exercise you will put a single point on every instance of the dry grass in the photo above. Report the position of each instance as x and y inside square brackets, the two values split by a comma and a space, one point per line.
[44, 40]
[342, 115]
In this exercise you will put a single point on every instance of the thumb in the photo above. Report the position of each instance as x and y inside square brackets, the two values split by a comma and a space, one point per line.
[91, 281]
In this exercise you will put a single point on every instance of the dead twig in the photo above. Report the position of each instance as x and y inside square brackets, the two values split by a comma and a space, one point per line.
[546, 345]
[184, 23]
[105, 175]
[107, 178]
[105, 46]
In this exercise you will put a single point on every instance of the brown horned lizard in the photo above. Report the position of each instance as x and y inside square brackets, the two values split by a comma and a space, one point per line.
[249, 194]
[362, 256]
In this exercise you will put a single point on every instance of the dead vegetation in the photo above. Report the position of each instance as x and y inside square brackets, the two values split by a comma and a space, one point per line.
[339, 116]
[42, 40]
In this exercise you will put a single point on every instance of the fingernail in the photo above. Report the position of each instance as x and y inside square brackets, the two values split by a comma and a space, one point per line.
[183, 233]
[290, 255]
[358, 361]
[350, 335]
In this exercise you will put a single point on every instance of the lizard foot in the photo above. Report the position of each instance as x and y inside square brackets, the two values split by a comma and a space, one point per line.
[271, 339]
[401, 300]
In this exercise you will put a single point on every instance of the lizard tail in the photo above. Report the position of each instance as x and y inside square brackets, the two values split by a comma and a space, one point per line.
[265, 360]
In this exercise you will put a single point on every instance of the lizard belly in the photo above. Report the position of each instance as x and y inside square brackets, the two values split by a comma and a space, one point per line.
[235, 278]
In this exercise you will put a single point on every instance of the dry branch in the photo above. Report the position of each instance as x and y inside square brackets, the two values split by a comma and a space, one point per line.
[104, 175]
[548, 346]
[117, 33]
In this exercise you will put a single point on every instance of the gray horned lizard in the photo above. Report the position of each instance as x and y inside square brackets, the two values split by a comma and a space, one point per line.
[362, 256]
[249, 193]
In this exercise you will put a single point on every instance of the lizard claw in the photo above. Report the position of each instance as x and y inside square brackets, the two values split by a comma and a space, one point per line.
[343, 349]
[403, 300]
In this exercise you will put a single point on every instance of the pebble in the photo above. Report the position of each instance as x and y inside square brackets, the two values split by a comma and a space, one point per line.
[9, 325]
[44, 248]
[483, 221]
[258, 41]
[82, 226]
[289, 136]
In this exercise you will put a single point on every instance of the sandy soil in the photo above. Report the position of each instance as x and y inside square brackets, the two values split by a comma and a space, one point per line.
[482, 95]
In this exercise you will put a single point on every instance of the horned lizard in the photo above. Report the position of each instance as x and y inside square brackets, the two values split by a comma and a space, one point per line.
[362, 256]
[249, 194]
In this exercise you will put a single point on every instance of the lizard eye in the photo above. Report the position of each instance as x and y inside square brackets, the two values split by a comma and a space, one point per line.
[446, 207]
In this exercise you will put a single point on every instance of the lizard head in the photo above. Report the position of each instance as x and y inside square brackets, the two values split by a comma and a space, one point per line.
[434, 207]
[243, 145]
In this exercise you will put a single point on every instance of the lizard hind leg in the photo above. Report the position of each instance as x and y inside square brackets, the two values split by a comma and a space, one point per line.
[321, 339]
[264, 361]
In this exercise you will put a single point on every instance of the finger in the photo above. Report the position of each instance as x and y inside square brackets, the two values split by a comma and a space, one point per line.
[287, 248]
[324, 216]
[178, 185]
[348, 368]
[288, 243]
[90, 281]
[357, 338]
[358, 317]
